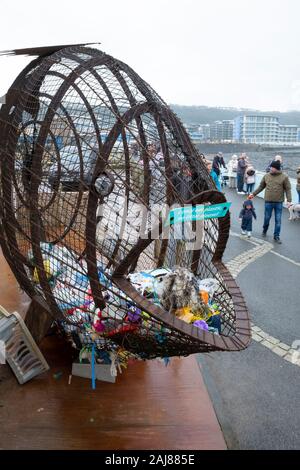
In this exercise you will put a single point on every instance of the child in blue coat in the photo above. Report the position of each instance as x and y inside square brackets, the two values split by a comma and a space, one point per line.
[214, 175]
[246, 217]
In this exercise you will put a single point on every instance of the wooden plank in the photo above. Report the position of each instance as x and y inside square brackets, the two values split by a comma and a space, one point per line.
[38, 320]
[150, 407]
[11, 297]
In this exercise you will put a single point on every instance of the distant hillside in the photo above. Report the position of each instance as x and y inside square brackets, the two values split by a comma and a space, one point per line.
[204, 114]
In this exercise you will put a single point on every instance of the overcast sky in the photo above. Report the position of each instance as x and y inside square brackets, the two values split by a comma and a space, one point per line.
[241, 53]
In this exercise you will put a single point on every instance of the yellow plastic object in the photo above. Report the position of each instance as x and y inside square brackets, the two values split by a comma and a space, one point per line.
[185, 314]
[47, 269]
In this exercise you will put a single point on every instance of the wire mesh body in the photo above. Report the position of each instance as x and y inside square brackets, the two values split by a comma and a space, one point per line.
[87, 149]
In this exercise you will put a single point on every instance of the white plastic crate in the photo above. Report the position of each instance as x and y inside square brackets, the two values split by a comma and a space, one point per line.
[21, 351]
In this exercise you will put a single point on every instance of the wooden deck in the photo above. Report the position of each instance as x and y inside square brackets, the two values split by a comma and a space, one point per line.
[149, 407]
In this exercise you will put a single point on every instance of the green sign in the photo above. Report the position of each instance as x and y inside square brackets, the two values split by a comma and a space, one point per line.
[200, 212]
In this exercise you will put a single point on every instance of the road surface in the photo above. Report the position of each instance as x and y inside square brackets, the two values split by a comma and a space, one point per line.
[256, 392]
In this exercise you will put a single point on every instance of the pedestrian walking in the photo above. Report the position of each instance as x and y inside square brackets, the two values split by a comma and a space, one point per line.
[276, 185]
[241, 169]
[250, 179]
[278, 158]
[298, 184]
[218, 163]
[232, 171]
[246, 217]
[214, 175]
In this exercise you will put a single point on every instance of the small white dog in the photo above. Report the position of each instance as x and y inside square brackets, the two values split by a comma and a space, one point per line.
[294, 212]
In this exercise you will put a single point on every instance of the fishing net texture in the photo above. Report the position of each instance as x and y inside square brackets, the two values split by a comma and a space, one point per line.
[91, 160]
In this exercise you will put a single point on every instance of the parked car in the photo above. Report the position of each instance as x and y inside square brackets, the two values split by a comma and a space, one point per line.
[70, 176]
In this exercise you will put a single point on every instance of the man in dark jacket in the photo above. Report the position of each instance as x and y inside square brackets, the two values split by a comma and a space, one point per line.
[218, 162]
[241, 168]
[276, 185]
[278, 158]
[298, 183]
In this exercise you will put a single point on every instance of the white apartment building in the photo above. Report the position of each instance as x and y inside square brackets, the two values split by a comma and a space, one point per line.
[287, 134]
[256, 129]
